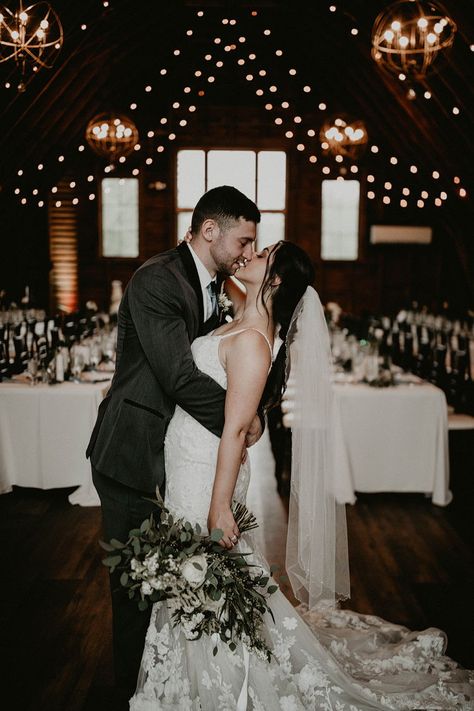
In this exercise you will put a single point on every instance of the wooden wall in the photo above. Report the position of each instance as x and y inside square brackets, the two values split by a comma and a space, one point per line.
[384, 278]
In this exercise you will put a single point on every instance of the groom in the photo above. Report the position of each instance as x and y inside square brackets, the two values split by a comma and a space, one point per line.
[169, 301]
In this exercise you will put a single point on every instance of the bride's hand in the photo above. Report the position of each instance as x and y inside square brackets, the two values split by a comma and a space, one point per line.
[221, 517]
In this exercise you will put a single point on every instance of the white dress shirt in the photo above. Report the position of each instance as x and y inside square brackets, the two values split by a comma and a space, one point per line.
[204, 279]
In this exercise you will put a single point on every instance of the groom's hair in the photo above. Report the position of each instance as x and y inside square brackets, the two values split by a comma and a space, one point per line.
[225, 205]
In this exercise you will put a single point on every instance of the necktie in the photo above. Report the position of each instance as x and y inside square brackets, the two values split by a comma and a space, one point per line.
[212, 291]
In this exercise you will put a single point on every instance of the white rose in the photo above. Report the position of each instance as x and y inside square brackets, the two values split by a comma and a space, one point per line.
[146, 588]
[194, 575]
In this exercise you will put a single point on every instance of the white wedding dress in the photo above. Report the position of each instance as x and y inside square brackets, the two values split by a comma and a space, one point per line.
[331, 659]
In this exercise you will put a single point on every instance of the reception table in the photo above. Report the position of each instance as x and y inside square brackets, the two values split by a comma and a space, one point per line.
[392, 439]
[44, 431]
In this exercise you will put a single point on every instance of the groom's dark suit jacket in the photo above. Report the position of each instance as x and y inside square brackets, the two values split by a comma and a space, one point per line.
[161, 313]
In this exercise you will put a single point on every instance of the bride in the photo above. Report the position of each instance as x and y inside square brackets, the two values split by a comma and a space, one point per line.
[322, 657]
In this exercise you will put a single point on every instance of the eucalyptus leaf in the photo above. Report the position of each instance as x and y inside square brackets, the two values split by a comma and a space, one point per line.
[216, 534]
[145, 526]
[112, 560]
[117, 544]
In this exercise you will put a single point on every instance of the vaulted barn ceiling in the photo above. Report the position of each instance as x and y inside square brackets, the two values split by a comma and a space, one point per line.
[125, 45]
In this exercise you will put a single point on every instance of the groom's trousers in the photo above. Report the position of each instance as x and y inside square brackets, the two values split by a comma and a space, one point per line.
[124, 508]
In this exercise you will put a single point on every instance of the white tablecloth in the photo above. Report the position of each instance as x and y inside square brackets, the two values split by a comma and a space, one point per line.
[44, 431]
[391, 439]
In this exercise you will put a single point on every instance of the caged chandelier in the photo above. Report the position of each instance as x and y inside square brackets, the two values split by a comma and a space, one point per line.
[408, 37]
[112, 135]
[344, 137]
[31, 36]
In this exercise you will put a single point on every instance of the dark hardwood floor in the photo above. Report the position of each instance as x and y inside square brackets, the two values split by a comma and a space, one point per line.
[411, 562]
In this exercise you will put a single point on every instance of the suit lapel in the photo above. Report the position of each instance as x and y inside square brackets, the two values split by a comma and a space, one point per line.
[193, 276]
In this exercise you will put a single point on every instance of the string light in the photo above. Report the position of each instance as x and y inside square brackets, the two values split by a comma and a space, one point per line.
[311, 133]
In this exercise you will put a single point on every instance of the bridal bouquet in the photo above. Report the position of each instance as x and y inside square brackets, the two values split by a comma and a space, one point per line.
[208, 589]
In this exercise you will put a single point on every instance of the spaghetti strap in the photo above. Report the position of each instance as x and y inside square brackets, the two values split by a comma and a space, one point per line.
[234, 333]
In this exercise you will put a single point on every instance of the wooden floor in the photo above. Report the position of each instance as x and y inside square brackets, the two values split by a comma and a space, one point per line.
[411, 562]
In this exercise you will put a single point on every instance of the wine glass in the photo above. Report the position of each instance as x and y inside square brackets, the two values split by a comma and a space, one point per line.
[32, 370]
[77, 366]
[96, 355]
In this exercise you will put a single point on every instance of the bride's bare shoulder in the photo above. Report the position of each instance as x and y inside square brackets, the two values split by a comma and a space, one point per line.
[249, 346]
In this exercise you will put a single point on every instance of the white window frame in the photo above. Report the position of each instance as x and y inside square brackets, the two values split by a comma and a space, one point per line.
[329, 231]
[136, 207]
[206, 151]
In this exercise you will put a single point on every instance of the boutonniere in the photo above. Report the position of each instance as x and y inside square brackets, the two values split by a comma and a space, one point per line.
[224, 302]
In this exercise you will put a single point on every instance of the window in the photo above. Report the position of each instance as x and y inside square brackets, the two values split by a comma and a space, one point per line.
[261, 175]
[340, 219]
[120, 217]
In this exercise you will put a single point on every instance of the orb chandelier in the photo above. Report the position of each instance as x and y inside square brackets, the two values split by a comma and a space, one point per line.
[31, 36]
[343, 136]
[409, 36]
[112, 135]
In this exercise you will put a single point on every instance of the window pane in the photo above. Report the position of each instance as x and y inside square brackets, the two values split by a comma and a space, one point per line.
[270, 229]
[183, 222]
[235, 168]
[340, 219]
[120, 217]
[271, 180]
[190, 177]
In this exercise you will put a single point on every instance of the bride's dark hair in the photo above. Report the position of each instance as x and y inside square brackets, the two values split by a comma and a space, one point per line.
[294, 268]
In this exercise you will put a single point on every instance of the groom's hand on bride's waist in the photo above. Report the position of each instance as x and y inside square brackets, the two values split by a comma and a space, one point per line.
[254, 432]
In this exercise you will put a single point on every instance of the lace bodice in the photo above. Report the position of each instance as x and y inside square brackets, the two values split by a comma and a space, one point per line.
[205, 350]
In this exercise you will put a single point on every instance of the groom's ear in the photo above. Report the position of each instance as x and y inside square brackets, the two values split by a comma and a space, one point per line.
[209, 230]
